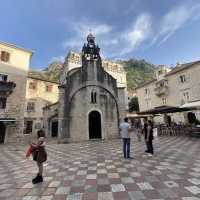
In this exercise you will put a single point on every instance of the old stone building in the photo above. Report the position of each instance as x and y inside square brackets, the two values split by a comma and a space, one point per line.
[40, 92]
[90, 101]
[14, 66]
[23, 94]
[172, 87]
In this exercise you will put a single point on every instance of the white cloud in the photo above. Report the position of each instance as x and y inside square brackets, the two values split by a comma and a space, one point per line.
[72, 43]
[112, 42]
[97, 29]
[57, 58]
[108, 42]
[82, 29]
[175, 19]
[139, 32]
[144, 27]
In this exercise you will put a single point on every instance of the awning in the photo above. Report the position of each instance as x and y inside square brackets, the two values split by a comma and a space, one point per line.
[163, 110]
[135, 115]
[193, 104]
[7, 119]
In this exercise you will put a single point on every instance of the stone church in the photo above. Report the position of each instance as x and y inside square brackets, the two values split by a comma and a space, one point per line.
[90, 102]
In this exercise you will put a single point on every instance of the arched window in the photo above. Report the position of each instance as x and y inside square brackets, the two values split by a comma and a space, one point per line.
[93, 97]
[92, 100]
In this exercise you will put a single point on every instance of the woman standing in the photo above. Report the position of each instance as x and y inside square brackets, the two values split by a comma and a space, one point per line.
[149, 138]
[39, 155]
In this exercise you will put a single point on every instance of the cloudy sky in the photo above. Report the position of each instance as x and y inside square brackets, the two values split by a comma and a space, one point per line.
[160, 31]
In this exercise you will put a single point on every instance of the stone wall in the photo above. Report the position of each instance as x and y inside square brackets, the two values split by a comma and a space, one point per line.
[122, 102]
[79, 115]
[75, 102]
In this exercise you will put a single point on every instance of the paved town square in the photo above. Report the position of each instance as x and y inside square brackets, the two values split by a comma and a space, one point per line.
[100, 100]
[97, 170]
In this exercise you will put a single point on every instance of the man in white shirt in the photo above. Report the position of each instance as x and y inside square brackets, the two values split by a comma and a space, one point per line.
[125, 129]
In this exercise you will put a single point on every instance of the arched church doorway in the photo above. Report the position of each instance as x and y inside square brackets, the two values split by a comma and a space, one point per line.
[95, 125]
[2, 132]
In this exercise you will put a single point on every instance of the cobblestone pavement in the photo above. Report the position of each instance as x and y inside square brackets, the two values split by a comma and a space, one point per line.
[97, 170]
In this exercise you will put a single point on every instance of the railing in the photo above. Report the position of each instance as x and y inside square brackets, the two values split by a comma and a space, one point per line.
[6, 87]
[161, 90]
[177, 130]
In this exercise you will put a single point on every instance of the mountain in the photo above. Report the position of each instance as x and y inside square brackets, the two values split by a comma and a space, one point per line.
[138, 72]
[51, 73]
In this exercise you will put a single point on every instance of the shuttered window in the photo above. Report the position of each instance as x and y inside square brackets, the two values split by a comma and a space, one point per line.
[5, 56]
[49, 88]
[31, 107]
[33, 85]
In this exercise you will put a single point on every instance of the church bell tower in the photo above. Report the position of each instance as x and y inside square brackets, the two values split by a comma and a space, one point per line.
[90, 51]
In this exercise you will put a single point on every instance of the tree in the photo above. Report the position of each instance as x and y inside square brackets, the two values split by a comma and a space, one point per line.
[133, 105]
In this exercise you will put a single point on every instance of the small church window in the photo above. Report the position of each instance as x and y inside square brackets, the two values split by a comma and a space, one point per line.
[93, 97]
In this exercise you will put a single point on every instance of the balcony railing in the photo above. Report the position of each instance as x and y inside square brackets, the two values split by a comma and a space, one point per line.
[6, 87]
[159, 91]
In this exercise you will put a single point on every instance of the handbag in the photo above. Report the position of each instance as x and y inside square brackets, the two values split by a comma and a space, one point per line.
[35, 155]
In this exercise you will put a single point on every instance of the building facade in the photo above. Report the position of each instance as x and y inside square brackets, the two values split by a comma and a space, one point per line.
[39, 94]
[171, 87]
[22, 95]
[90, 99]
[14, 66]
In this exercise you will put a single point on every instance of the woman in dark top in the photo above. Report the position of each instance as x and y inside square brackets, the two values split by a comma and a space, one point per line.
[144, 131]
[149, 137]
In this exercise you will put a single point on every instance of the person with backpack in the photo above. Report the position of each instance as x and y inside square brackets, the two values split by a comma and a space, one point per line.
[39, 155]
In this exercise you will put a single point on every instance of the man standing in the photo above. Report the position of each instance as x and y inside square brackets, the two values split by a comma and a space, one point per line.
[125, 129]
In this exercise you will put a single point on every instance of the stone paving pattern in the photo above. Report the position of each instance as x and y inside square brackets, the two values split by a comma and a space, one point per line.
[97, 170]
